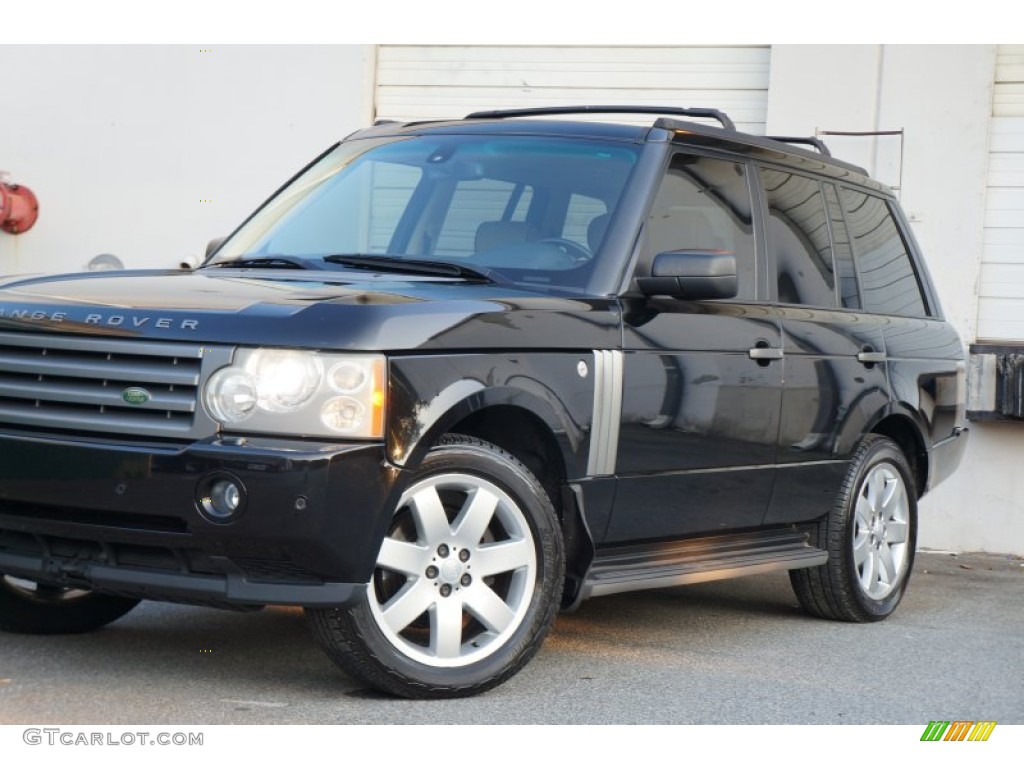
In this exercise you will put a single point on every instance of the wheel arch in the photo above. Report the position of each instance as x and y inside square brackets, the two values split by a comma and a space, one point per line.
[529, 439]
[531, 430]
[469, 404]
[905, 432]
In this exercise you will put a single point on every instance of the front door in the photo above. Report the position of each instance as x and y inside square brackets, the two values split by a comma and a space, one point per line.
[702, 380]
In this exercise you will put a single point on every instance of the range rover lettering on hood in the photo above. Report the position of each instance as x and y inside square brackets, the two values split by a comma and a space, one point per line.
[96, 318]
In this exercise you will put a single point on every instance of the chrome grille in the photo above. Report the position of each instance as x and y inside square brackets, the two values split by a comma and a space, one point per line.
[76, 384]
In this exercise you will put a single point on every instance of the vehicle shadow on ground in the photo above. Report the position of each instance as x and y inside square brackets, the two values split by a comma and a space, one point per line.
[274, 646]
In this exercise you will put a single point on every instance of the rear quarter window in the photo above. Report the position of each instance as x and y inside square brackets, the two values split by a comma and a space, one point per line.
[888, 282]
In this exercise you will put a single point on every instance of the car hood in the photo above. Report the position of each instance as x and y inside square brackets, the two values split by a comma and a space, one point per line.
[313, 309]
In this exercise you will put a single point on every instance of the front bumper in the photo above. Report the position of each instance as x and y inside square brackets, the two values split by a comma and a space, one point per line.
[125, 519]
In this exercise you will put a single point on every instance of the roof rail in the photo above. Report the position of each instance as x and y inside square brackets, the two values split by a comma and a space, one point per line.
[812, 141]
[713, 114]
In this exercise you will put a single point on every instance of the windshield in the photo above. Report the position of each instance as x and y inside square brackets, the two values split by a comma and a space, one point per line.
[522, 209]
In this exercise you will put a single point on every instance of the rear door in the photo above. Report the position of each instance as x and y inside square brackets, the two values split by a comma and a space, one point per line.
[834, 366]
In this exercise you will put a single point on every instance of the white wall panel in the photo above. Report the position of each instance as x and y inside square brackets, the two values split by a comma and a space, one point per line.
[148, 151]
[436, 82]
[1001, 287]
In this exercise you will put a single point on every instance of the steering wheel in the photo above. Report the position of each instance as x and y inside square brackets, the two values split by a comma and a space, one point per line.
[578, 253]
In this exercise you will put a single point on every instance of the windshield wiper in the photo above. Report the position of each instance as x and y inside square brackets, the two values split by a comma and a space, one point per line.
[264, 262]
[412, 266]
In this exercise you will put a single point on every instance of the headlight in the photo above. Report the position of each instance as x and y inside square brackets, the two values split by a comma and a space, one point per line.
[300, 393]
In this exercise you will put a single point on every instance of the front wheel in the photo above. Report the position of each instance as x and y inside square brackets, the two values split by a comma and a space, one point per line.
[466, 584]
[870, 536]
[33, 608]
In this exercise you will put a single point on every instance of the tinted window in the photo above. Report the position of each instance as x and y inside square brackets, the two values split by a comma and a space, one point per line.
[704, 204]
[887, 279]
[580, 218]
[475, 202]
[798, 238]
[526, 209]
[849, 294]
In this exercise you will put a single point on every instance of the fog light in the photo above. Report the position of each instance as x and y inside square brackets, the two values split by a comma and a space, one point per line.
[221, 498]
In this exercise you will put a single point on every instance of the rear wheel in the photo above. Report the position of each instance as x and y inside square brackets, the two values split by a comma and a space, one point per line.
[870, 537]
[466, 584]
[33, 608]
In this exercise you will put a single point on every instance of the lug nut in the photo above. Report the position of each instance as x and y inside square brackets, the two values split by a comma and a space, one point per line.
[443, 550]
[446, 589]
[466, 580]
[464, 555]
[432, 571]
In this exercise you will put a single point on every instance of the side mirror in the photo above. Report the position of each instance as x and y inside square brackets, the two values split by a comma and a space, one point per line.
[213, 245]
[692, 275]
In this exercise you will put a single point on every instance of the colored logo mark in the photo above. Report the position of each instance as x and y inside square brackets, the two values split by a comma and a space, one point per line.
[135, 396]
[958, 730]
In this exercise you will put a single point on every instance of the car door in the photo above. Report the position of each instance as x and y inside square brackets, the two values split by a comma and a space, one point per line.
[834, 364]
[702, 380]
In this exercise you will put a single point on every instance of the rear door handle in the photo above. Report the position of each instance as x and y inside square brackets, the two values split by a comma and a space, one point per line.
[870, 357]
[765, 353]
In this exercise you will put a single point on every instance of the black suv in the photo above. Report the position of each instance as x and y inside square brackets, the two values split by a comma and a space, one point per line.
[455, 376]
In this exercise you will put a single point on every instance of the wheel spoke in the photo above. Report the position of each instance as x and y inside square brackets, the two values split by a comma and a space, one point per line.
[861, 549]
[869, 572]
[896, 532]
[861, 530]
[408, 605]
[887, 565]
[475, 516]
[893, 503]
[862, 515]
[428, 511]
[502, 557]
[875, 490]
[402, 556]
[446, 628]
[889, 488]
[488, 608]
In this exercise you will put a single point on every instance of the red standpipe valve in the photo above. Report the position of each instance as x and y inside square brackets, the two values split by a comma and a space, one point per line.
[19, 208]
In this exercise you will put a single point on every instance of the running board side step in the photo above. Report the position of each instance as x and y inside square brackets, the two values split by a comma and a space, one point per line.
[690, 561]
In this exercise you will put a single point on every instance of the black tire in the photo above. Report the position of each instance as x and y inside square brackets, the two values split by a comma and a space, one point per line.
[870, 536]
[477, 627]
[31, 608]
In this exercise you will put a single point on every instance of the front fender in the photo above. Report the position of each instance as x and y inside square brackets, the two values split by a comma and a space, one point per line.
[428, 395]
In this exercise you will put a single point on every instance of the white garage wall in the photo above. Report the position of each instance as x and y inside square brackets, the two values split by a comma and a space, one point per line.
[1001, 288]
[147, 152]
[432, 82]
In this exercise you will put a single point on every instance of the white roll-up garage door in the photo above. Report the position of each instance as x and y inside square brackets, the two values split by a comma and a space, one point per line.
[429, 82]
[1001, 293]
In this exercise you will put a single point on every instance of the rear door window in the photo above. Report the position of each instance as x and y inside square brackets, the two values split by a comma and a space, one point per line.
[798, 239]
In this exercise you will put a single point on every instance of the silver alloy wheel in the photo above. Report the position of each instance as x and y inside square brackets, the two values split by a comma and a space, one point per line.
[457, 572]
[881, 531]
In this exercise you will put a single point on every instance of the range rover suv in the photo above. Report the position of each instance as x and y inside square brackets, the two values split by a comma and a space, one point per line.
[456, 376]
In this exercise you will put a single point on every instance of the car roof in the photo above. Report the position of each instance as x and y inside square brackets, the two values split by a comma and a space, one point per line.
[781, 150]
